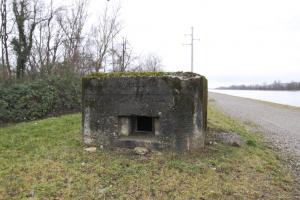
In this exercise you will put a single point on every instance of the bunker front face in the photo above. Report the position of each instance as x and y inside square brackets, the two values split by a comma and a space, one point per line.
[153, 110]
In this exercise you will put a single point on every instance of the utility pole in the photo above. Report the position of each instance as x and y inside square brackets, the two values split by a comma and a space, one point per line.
[113, 54]
[192, 47]
[112, 48]
[192, 50]
[123, 54]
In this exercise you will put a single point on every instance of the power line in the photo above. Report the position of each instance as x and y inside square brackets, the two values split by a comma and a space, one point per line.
[192, 47]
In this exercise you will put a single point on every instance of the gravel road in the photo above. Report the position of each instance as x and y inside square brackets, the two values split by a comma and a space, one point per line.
[281, 124]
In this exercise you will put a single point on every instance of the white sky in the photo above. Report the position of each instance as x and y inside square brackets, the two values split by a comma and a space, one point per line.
[242, 41]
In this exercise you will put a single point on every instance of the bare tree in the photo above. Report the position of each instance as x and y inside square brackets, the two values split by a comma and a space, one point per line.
[103, 35]
[4, 39]
[149, 63]
[72, 24]
[124, 56]
[47, 42]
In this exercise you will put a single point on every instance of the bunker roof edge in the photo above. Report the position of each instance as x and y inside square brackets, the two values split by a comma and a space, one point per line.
[181, 75]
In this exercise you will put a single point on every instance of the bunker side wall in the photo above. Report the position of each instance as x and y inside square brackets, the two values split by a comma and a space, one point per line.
[178, 104]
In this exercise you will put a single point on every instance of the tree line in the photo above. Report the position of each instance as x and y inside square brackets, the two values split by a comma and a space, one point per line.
[45, 49]
[276, 85]
[40, 39]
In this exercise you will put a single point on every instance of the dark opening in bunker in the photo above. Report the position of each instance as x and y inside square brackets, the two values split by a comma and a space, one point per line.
[138, 126]
[144, 124]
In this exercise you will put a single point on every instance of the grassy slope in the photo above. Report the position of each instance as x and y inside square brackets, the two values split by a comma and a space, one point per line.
[45, 159]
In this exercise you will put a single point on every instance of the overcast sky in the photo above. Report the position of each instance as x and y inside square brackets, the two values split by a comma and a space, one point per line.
[242, 41]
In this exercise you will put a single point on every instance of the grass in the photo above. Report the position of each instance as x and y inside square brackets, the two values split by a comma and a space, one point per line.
[45, 160]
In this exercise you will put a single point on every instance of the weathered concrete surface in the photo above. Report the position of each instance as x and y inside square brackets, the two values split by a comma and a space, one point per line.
[177, 103]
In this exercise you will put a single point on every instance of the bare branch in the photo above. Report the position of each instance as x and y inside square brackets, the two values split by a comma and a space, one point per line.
[104, 34]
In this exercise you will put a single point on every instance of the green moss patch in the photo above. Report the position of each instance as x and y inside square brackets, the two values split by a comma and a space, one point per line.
[124, 74]
[101, 75]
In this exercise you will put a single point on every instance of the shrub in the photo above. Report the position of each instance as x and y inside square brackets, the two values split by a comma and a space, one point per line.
[22, 101]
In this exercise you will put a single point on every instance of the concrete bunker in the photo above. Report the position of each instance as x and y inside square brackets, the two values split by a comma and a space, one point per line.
[153, 110]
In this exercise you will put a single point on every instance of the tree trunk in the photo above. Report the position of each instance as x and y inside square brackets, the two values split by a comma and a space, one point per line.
[4, 39]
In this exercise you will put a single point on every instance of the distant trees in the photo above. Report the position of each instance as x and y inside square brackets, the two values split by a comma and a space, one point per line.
[103, 36]
[72, 22]
[150, 62]
[293, 86]
[276, 85]
[123, 56]
[47, 41]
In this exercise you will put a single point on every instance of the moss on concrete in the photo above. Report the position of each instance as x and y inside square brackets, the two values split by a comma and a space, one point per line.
[102, 75]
